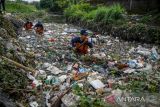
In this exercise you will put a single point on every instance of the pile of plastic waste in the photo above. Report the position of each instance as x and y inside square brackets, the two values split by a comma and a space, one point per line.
[109, 63]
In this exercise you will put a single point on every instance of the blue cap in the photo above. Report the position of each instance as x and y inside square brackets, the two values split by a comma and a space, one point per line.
[84, 32]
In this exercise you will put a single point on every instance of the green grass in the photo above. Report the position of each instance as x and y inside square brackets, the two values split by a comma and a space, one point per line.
[151, 19]
[114, 13]
[24, 11]
[86, 12]
[13, 7]
[100, 13]
[77, 11]
[89, 16]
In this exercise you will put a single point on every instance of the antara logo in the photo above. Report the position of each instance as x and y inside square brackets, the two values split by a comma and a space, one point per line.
[131, 99]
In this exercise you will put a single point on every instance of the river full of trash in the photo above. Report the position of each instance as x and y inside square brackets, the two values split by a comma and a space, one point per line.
[114, 71]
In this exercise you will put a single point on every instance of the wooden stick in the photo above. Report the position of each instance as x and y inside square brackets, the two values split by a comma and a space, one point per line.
[18, 89]
[18, 64]
[58, 100]
[81, 45]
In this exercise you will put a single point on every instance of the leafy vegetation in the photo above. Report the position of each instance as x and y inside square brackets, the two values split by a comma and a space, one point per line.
[86, 101]
[15, 7]
[58, 5]
[86, 12]
[138, 32]
[78, 11]
[24, 10]
[152, 18]
[113, 20]
[141, 82]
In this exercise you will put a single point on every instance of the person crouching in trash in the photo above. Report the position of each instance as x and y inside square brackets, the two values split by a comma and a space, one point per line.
[81, 44]
[39, 28]
[28, 25]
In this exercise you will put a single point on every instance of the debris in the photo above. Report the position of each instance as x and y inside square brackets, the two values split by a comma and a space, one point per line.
[143, 51]
[33, 104]
[52, 80]
[62, 78]
[154, 54]
[70, 99]
[132, 63]
[69, 67]
[147, 68]
[100, 91]
[30, 76]
[57, 66]
[46, 65]
[100, 55]
[75, 66]
[18, 64]
[41, 74]
[82, 70]
[36, 83]
[80, 76]
[58, 98]
[110, 83]
[54, 70]
[129, 70]
[97, 84]
[110, 99]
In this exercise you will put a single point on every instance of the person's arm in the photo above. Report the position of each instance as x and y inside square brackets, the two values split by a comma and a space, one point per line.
[42, 27]
[74, 40]
[35, 25]
[90, 44]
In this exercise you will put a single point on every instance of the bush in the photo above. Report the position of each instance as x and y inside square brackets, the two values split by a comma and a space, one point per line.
[88, 13]
[100, 14]
[145, 19]
[114, 14]
[89, 16]
[137, 32]
[78, 11]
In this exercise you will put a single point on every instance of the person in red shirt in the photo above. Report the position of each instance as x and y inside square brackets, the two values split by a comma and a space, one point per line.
[28, 25]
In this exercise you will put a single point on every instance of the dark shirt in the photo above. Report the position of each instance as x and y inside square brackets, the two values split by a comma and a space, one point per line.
[78, 40]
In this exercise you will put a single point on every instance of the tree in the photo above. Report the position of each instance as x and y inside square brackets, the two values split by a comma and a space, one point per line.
[18, 1]
[45, 3]
[58, 5]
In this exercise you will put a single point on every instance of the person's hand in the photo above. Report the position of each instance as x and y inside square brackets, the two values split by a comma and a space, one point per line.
[74, 49]
[86, 40]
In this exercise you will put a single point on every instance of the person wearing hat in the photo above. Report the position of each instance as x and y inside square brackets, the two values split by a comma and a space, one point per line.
[81, 43]
[39, 28]
[28, 25]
